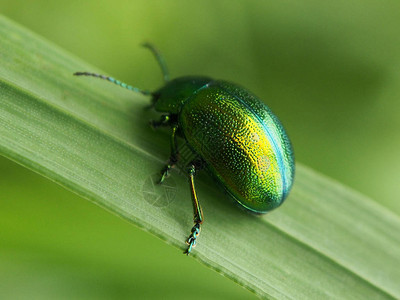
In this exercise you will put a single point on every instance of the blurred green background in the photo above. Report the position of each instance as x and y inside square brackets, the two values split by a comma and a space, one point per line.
[330, 71]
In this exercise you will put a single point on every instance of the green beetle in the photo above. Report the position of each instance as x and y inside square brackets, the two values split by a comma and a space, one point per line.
[230, 132]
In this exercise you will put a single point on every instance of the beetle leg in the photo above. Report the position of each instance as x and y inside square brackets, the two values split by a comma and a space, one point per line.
[173, 159]
[197, 211]
[164, 121]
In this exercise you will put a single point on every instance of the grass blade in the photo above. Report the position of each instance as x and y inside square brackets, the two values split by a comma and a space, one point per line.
[93, 138]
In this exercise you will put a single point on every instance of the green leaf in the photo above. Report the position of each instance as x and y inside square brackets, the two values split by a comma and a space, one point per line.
[92, 138]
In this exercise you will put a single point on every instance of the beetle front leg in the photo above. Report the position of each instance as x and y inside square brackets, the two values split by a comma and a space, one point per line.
[173, 159]
[197, 212]
[165, 120]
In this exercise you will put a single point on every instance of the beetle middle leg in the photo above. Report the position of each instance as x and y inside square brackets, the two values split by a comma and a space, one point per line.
[197, 211]
[173, 159]
[168, 120]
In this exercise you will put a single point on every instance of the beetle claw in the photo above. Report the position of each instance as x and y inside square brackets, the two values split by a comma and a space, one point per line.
[163, 176]
[164, 173]
[192, 239]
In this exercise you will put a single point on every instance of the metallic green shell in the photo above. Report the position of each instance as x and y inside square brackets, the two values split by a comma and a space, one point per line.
[242, 142]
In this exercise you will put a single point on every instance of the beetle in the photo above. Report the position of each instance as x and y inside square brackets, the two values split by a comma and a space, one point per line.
[230, 132]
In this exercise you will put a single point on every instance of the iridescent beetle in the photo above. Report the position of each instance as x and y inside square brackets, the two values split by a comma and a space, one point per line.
[230, 132]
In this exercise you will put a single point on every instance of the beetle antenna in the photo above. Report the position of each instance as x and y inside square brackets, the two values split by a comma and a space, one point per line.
[115, 81]
[160, 60]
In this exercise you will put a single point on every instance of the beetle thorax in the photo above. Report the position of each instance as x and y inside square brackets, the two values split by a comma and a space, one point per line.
[171, 96]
